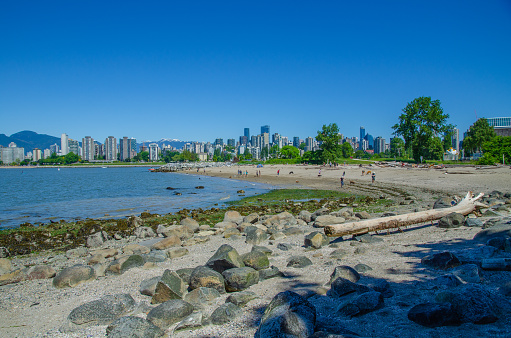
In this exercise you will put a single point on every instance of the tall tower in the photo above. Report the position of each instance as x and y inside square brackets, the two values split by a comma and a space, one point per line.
[455, 139]
[265, 129]
[246, 133]
[362, 136]
[88, 148]
[64, 147]
[110, 148]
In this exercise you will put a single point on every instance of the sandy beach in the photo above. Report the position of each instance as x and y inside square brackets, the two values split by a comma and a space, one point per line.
[35, 308]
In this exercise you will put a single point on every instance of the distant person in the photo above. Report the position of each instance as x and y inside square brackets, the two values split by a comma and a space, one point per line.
[278, 172]
[319, 172]
[343, 173]
[373, 178]
[342, 181]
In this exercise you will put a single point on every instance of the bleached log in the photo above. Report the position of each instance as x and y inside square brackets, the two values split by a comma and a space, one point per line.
[464, 207]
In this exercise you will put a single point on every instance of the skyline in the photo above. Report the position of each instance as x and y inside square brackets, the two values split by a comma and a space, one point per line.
[200, 71]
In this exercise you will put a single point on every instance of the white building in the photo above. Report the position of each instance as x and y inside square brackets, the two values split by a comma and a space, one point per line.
[154, 151]
[37, 154]
[12, 154]
[88, 149]
[111, 148]
[64, 146]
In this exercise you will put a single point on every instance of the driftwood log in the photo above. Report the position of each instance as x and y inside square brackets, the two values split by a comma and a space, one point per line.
[464, 207]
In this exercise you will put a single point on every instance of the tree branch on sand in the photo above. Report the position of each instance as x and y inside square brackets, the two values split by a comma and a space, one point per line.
[464, 207]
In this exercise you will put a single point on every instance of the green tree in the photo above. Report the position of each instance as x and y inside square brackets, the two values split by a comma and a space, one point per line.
[347, 150]
[71, 158]
[421, 121]
[289, 152]
[434, 149]
[359, 153]
[330, 149]
[478, 133]
[264, 152]
[247, 155]
[142, 156]
[397, 147]
[495, 149]
[275, 151]
[302, 146]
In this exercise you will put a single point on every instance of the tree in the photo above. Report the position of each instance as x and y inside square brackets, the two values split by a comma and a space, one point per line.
[142, 156]
[347, 150]
[478, 133]
[434, 149]
[302, 146]
[289, 152]
[275, 151]
[71, 158]
[421, 121]
[494, 150]
[329, 138]
[264, 152]
[397, 147]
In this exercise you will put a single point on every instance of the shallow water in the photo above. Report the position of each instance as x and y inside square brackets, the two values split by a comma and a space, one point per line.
[44, 194]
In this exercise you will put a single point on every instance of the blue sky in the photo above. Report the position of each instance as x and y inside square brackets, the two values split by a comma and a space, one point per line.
[198, 70]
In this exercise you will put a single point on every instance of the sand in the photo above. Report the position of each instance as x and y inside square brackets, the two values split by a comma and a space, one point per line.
[37, 309]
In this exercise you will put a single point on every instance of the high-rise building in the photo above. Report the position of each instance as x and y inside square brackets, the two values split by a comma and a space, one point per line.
[370, 141]
[243, 140]
[153, 152]
[219, 142]
[73, 147]
[455, 139]
[88, 149]
[12, 154]
[54, 148]
[110, 148]
[362, 136]
[265, 129]
[265, 140]
[36, 154]
[64, 145]
[124, 149]
[231, 142]
[246, 133]
[309, 144]
[133, 147]
[296, 141]
[46, 153]
[379, 145]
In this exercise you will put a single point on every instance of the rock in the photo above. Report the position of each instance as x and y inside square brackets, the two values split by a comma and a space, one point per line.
[316, 240]
[292, 231]
[501, 230]
[284, 246]
[363, 215]
[199, 187]
[233, 216]
[225, 225]
[497, 242]
[324, 220]
[167, 242]
[272, 272]
[238, 279]
[263, 249]
[453, 220]
[136, 249]
[471, 304]
[144, 232]
[446, 281]
[319, 212]
[148, 286]
[133, 261]
[256, 259]
[341, 287]
[73, 276]
[155, 256]
[473, 222]
[368, 239]
[500, 264]
[433, 314]
[345, 272]
[467, 273]
[170, 312]
[256, 237]
[338, 254]
[252, 218]
[5, 265]
[224, 314]
[298, 262]
[192, 322]
[443, 202]
[105, 253]
[201, 296]
[361, 304]
[241, 298]
[202, 276]
[97, 239]
[170, 286]
[287, 315]
[277, 236]
[133, 327]
[177, 252]
[443, 260]
[362, 268]
[76, 252]
[377, 284]
[15, 276]
[135, 221]
[185, 274]
[4, 252]
[182, 231]
[305, 216]
[231, 232]
[102, 311]
[40, 272]
[226, 257]
[331, 327]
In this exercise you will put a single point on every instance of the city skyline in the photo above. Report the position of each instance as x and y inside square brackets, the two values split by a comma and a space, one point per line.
[201, 71]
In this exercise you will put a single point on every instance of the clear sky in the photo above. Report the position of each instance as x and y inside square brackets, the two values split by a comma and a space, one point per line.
[200, 70]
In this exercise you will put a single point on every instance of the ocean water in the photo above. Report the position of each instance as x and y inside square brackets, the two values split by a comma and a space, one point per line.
[43, 194]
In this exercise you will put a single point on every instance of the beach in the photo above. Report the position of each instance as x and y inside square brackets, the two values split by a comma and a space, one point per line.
[35, 308]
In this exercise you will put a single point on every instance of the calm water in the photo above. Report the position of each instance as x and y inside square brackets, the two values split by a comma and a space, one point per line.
[41, 194]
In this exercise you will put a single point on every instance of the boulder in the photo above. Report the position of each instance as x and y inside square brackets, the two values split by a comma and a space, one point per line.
[298, 262]
[167, 242]
[73, 276]
[319, 212]
[233, 216]
[5, 265]
[77, 252]
[256, 236]
[135, 221]
[473, 222]
[144, 232]
[241, 298]
[433, 314]
[345, 272]
[155, 256]
[133, 327]
[453, 220]
[316, 240]
[252, 218]
[231, 232]
[170, 286]
[105, 253]
[224, 314]
[177, 252]
[368, 239]
[201, 296]
[287, 315]
[15, 276]
[202, 276]
[272, 272]
[443, 260]
[499, 230]
[182, 231]
[324, 220]
[360, 304]
[292, 231]
[97, 239]
[305, 216]
[226, 257]
[190, 223]
[225, 225]
[341, 287]
[256, 259]
[185, 274]
[284, 246]
[102, 311]
[362, 215]
[377, 284]
[467, 273]
[136, 249]
[263, 249]
[40, 272]
[362, 268]
[133, 261]
[148, 286]
[238, 279]
[170, 312]
[338, 254]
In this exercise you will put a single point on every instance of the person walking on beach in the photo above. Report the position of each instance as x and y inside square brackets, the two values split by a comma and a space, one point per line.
[278, 172]
[342, 181]
[373, 178]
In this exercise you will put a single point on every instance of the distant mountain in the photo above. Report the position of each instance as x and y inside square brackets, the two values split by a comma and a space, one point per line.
[29, 140]
[165, 142]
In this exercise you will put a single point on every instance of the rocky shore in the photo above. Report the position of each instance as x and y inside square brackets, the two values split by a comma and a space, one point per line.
[271, 274]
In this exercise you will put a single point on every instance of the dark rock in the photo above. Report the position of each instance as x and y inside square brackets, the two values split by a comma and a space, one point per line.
[377, 284]
[192, 322]
[263, 249]
[443, 260]
[473, 222]
[284, 246]
[316, 240]
[241, 298]
[467, 273]
[502, 230]
[256, 259]
[185, 274]
[362, 268]
[133, 327]
[147, 286]
[287, 315]
[448, 281]
[202, 276]
[133, 261]
[363, 215]
[102, 311]
[433, 314]
[368, 239]
[199, 187]
[331, 327]
[444, 202]
[272, 272]
[239, 279]
[497, 242]
[155, 257]
[201, 295]
[73, 276]
[224, 314]
[345, 272]
[256, 237]
[361, 304]
[170, 312]
[338, 254]
[341, 287]
[170, 286]
[298, 262]
[226, 257]
[453, 220]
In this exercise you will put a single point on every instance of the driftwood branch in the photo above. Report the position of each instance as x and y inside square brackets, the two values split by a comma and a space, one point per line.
[464, 207]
